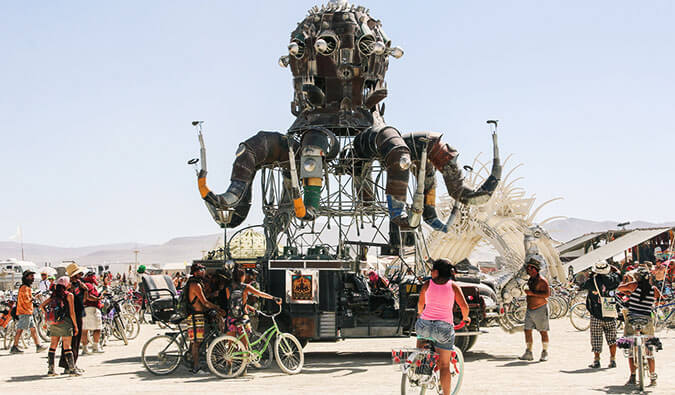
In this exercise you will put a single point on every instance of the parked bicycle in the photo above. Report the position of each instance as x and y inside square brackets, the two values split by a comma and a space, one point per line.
[227, 356]
[163, 354]
[420, 370]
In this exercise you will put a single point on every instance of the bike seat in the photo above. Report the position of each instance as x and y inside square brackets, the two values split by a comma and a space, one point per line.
[637, 320]
[176, 318]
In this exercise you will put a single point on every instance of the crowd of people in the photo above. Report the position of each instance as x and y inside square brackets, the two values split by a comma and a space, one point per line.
[71, 306]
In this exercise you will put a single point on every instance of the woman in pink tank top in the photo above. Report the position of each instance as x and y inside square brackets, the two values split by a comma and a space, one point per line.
[437, 298]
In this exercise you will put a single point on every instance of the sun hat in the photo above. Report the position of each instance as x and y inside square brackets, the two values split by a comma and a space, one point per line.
[601, 267]
[535, 260]
[65, 281]
[73, 270]
[141, 269]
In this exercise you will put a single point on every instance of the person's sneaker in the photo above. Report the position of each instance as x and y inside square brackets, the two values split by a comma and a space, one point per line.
[15, 350]
[612, 364]
[544, 356]
[652, 380]
[96, 349]
[631, 380]
[40, 348]
[595, 365]
[84, 351]
[527, 356]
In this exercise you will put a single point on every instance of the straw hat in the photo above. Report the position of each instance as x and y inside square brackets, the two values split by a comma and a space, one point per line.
[73, 270]
[601, 268]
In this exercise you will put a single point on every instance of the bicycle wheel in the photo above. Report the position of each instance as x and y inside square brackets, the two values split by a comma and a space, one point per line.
[119, 331]
[457, 375]
[226, 357]
[132, 326]
[580, 317]
[554, 308]
[410, 388]
[41, 326]
[161, 355]
[288, 353]
[640, 366]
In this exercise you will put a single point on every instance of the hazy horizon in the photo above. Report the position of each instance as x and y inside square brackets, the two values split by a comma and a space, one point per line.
[97, 101]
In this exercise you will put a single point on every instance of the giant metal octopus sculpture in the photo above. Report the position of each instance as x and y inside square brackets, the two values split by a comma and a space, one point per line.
[338, 56]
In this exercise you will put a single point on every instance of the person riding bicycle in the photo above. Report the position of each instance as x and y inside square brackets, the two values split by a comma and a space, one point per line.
[640, 304]
[197, 307]
[237, 295]
[437, 298]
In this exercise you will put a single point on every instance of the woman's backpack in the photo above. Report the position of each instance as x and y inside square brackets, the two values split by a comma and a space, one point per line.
[55, 311]
[236, 304]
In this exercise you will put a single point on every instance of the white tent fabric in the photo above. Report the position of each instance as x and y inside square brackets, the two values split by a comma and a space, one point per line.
[614, 248]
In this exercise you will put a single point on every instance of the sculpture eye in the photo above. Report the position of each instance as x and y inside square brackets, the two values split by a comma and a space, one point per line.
[297, 48]
[327, 43]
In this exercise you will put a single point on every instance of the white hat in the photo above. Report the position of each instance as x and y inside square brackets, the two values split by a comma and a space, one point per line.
[601, 267]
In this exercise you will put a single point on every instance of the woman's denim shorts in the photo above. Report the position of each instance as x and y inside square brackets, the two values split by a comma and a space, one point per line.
[442, 333]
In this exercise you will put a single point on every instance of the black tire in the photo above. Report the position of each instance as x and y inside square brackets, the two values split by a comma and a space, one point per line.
[463, 342]
[169, 355]
[119, 331]
[472, 342]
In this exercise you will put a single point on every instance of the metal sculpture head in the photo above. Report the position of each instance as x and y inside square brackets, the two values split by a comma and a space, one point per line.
[338, 56]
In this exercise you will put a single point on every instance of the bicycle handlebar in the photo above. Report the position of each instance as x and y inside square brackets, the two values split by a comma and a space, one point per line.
[271, 315]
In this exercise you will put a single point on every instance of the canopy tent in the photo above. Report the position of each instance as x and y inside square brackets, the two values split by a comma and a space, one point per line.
[577, 242]
[175, 267]
[614, 248]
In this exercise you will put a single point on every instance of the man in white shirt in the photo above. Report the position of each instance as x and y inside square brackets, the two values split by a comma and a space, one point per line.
[43, 286]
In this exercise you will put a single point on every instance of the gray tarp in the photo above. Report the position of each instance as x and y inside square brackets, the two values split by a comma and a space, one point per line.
[577, 242]
[614, 248]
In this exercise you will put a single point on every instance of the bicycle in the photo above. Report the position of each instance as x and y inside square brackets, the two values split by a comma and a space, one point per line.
[227, 356]
[639, 347]
[664, 316]
[420, 371]
[162, 354]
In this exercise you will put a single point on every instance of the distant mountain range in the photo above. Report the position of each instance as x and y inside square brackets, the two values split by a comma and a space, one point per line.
[182, 249]
[185, 249]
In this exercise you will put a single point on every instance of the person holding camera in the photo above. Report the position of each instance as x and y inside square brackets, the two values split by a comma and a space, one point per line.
[604, 279]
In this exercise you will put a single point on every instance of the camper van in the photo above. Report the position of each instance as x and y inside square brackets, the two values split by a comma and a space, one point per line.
[11, 271]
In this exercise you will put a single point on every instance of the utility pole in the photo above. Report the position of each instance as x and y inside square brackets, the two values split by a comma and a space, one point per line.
[136, 260]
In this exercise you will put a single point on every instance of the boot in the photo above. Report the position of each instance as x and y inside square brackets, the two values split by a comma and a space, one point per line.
[15, 350]
[72, 370]
[652, 380]
[595, 365]
[50, 364]
[527, 356]
[397, 213]
[631, 380]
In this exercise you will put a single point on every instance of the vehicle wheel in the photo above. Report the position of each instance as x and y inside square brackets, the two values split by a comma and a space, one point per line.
[580, 317]
[119, 331]
[41, 327]
[288, 353]
[408, 388]
[640, 367]
[161, 355]
[472, 342]
[132, 326]
[457, 375]
[462, 342]
[226, 357]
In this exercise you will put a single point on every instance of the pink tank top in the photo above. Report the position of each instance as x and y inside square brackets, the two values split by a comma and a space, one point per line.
[439, 300]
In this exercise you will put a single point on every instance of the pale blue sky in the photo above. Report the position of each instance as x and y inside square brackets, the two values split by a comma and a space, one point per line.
[96, 101]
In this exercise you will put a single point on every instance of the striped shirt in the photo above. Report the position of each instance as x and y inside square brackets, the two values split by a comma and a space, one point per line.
[644, 307]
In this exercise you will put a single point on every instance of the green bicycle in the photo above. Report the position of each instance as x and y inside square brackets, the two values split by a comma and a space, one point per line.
[227, 356]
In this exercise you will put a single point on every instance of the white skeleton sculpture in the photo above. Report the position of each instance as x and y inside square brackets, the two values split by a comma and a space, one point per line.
[506, 222]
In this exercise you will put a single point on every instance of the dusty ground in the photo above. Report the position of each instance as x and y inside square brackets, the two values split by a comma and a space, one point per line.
[352, 367]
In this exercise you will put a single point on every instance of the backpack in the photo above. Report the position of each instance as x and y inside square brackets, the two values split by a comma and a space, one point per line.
[55, 311]
[184, 307]
[236, 303]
